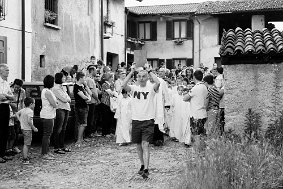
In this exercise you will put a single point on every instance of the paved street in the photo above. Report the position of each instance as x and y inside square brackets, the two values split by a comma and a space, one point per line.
[100, 164]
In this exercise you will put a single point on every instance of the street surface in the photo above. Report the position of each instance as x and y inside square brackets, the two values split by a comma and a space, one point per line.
[100, 164]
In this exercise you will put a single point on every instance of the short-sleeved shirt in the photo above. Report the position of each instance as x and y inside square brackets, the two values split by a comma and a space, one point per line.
[198, 101]
[143, 102]
[4, 89]
[80, 102]
[91, 84]
[213, 98]
[25, 115]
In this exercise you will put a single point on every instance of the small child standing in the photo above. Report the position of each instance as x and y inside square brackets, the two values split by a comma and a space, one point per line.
[124, 122]
[25, 116]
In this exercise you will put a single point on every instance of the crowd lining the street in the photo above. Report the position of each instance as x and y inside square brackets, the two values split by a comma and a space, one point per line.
[136, 104]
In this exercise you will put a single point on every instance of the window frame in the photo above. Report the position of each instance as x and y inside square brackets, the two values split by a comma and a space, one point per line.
[144, 23]
[52, 6]
[150, 61]
[180, 28]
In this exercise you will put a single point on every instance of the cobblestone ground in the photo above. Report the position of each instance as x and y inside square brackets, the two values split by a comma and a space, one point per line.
[100, 164]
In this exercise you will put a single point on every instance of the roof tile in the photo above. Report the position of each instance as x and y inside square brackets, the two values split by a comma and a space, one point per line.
[239, 42]
[228, 6]
[164, 9]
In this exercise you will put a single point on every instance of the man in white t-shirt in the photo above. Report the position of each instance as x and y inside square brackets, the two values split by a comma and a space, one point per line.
[198, 103]
[143, 114]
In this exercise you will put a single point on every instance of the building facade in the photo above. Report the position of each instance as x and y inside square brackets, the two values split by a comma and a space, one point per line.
[15, 25]
[163, 33]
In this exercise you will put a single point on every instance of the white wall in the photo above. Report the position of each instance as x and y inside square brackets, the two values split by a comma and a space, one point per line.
[206, 39]
[11, 28]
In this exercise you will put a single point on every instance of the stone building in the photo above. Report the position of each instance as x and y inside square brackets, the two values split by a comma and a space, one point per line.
[253, 75]
[16, 37]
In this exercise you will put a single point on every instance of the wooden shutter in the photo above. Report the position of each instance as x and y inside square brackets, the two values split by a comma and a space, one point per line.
[190, 62]
[153, 31]
[190, 29]
[133, 30]
[169, 64]
[3, 49]
[169, 30]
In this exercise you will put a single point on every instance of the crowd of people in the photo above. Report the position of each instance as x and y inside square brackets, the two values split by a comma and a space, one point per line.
[137, 104]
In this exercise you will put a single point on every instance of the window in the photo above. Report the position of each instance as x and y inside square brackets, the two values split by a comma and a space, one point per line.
[154, 62]
[148, 31]
[51, 12]
[2, 9]
[42, 61]
[131, 29]
[182, 61]
[179, 29]
[3, 49]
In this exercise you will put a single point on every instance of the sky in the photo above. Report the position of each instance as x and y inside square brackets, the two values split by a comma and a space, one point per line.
[130, 3]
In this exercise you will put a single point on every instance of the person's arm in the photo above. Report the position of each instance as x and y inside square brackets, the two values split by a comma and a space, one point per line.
[127, 79]
[60, 95]
[51, 100]
[155, 80]
[30, 122]
[92, 86]
[18, 115]
[87, 89]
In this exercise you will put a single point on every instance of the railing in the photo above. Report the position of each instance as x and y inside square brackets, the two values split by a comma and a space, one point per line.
[2, 9]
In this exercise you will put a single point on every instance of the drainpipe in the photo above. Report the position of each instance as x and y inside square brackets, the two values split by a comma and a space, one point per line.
[199, 49]
[101, 31]
[126, 31]
[23, 40]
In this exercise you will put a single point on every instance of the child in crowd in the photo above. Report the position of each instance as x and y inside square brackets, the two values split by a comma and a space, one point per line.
[25, 116]
[186, 127]
[124, 122]
[12, 134]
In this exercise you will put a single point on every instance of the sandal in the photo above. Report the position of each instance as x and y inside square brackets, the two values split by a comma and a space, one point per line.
[66, 149]
[59, 151]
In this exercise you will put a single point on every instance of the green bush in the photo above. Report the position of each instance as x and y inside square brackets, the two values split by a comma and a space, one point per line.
[274, 133]
[228, 165]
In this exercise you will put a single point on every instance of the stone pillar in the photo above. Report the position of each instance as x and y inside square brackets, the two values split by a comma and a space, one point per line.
[258, 22]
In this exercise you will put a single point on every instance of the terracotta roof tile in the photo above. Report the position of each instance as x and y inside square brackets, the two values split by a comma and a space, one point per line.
[228, 6]
[164, 9]
[239, 42]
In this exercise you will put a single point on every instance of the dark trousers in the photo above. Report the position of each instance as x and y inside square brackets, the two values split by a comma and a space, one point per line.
[4, 127]
[98, 117]
[107, 117]
[158, 135]
[90, 120]
[60, 126]
[47, 125]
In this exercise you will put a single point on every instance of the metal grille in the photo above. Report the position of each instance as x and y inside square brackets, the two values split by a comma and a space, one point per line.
[2, 9]
[51, 11]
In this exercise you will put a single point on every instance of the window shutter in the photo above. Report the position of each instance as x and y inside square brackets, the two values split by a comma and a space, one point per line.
[169, 64]
[160, 61]
[133, 29]
[190, 62]
[190, 29]
[3, 49]
[169, 30]
[153, 31]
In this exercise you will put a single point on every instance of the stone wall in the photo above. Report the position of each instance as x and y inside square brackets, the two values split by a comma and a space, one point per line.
[255, 86]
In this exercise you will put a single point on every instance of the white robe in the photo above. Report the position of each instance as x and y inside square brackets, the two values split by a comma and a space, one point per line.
[124, 122]
[177, 117]
[186, 127]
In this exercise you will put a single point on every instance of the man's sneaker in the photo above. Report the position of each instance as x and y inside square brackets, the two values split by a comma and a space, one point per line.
[26, 162]
[145, 174]
[16, 150]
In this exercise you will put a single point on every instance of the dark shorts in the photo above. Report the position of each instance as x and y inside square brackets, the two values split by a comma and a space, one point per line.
[142, 131]
[27, 137]
[197, 126]
[81, 116]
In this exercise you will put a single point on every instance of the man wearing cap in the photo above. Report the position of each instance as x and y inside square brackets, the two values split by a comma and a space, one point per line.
[90, 129]
[6, 96]
[143, 113]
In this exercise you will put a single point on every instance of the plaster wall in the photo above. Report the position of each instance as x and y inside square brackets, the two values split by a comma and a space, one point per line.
[255, 86]
[11, 28]
[72, 44]
[162, 48]
[258, 22]
[206, 39]
[116, 44]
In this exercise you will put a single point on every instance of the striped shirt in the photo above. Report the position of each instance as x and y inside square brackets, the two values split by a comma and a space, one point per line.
[105, 96]
[213, 98]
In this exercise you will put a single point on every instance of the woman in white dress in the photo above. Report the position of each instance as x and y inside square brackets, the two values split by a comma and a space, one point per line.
[186, 127]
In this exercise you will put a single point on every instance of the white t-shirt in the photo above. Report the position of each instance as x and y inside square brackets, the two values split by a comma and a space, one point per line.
[25, 115]
[198, 101]
[143, 102]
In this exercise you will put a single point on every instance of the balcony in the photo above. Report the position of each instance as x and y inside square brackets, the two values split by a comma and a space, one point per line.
[134, 43]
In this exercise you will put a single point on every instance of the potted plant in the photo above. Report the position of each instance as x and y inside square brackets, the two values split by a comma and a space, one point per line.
[49, 16]
[179, 41]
